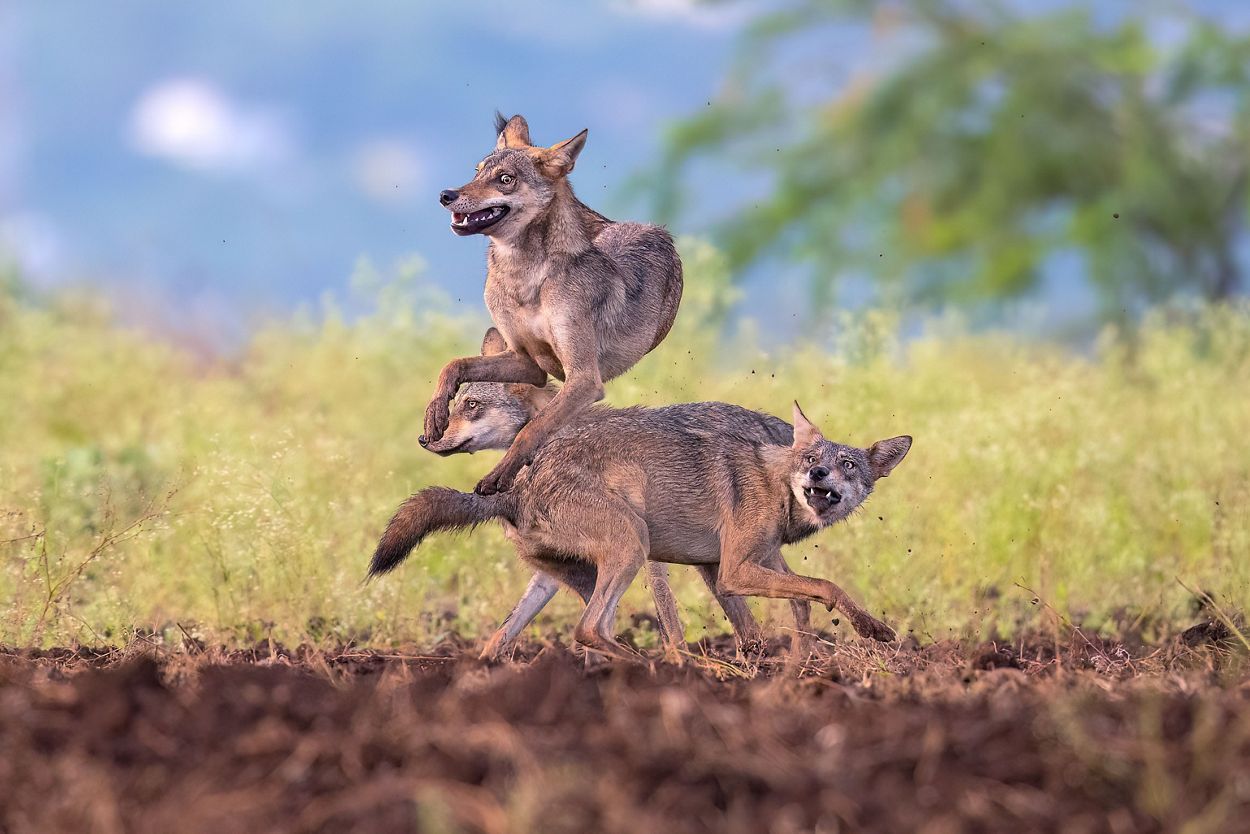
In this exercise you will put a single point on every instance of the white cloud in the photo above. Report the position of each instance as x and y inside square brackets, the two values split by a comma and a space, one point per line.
[691, 12]
[191, 122]
[387, 170]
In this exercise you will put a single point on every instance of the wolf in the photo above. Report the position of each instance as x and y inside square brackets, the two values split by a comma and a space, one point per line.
[575, 295]
[679, 484]
[489, 415]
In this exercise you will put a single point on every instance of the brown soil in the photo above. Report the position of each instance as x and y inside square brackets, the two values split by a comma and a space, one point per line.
[1081, 734]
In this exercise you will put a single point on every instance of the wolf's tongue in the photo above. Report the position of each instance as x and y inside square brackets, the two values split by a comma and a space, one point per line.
[457, 217]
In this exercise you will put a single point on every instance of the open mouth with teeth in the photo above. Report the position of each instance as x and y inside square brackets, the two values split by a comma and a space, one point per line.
[821, 499]
[477, 221]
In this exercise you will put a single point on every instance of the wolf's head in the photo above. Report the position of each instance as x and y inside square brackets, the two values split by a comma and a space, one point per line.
[832, 480]
[513, 185]
[489, 415]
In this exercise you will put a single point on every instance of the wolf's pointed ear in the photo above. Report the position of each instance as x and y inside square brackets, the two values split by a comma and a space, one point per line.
[562, 156]
[514, 133]
[534, 397]
[805, 431]
[887, 454]
[493, 342]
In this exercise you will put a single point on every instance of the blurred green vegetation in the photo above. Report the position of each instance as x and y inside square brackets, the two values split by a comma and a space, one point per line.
[1000, 140]
[144, 491]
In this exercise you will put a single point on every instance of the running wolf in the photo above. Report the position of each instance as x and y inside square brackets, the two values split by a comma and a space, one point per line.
[684, 484]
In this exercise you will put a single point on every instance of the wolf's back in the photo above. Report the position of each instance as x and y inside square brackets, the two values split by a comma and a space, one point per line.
[727, 422]
[648, 259]
[430, 510]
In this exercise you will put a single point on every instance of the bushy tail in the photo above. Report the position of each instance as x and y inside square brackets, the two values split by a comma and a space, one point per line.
[435, 508]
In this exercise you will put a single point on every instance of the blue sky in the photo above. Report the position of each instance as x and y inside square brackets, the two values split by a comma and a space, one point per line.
[206, 161]
[216, 158]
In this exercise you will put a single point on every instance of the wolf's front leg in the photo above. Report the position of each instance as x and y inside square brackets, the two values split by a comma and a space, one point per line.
[672, 633]
[580, 392]
[744, 572]
[501, 477]
[438, 412]
[801, 641]
[747, 632]
[508, 366]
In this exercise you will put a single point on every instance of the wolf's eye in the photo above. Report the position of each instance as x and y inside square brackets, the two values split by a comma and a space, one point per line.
[505, 179]
[811, 460]
[848, 465]
[470, 404]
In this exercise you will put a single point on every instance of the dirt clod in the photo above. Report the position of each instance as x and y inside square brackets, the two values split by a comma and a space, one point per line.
[1211, 632]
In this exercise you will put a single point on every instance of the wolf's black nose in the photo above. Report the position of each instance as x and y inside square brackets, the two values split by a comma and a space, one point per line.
[423, 441]
[818, 473]
[447, 196]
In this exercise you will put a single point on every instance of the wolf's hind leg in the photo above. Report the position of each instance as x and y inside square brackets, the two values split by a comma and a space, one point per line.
[550, 573]
[594, 631]
[618, 546]
[542, 587]
[577, 575]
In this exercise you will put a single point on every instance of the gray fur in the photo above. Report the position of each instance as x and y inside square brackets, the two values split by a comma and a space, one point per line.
[488, 415]
[689, 484]
[576, 296]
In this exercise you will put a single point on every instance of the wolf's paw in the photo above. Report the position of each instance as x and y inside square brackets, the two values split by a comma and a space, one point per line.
[675, 655]
[873, 629]
[752, 648]
[599, 650]
[498, 479]
[495, 646]
[437, 416]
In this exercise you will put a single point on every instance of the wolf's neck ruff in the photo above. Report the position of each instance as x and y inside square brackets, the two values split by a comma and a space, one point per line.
[565, 226]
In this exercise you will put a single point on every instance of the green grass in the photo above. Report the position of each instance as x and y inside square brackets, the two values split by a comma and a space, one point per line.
[142, 490]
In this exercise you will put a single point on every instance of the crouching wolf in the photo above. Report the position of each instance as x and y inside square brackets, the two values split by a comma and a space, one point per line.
[677, 484]
[576, 296]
